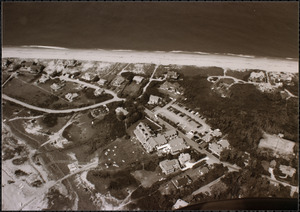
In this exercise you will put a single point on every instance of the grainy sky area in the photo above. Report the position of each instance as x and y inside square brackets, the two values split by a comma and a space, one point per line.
[261, 29]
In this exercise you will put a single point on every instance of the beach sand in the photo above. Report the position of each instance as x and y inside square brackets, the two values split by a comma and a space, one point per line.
[233, 62]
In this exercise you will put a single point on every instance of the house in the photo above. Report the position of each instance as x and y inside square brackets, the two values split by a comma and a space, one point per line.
[179, 204]
[177, 145]
[172, 75]
[138, 79]
[73, 166]
[44, 78]
[118, 80]
[172, 87]
[98, 92]
[56, 86]
[207, 137]
[217, 133]
[224, 143]
[181, 182]
[71, 96]
[121, 110]
[203, 170]
[169, 166]
[88, 76]
[184, 158]
[154, 100]
[257, 77]
[102, 82]
[288, 170]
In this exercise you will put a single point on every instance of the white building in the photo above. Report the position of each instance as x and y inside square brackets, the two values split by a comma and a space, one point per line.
[121, 110]
[98, 92]
[44, 78]
[102, 82]
[138, 79]
[56, 86]
[88, 76]
[154, 100]
[71, 96]
[184, 158]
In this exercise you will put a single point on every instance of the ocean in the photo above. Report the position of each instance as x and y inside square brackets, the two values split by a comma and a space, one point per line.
[266, 29]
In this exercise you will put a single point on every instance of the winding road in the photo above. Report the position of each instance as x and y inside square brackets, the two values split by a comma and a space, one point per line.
[115, 99]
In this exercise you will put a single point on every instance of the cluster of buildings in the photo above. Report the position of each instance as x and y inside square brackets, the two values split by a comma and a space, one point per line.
[169, 142]
[257, 77]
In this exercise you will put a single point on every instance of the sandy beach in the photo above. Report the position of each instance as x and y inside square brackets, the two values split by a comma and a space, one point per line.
[164, 58]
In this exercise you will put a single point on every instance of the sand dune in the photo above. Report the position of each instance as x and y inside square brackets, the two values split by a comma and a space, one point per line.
[165, 58]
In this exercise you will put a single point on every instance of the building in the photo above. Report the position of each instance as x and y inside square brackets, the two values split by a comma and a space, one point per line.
[224, 144]
[179, 204]
[71, 96]
[102, 82]
[154, 100]
[118, 80]
[172, 75]
[177, 145]
[184, 158]
[138, 79]
[121, 110]
[217, 133]
[142, 132]
[288, 170]
[88, 76]
[207, 138]
[218, 147]
[44, 78]
[181, 182]
[99, 92]
[56, 86]
[257, 77]
[169, 166]
[172, 87]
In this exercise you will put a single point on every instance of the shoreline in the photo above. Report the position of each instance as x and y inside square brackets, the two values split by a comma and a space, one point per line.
[200, 59]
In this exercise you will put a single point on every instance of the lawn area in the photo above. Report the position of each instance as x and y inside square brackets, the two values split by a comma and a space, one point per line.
[242, 75]
[200, 71]
[29, 93]
[132, 90]
[147, 178]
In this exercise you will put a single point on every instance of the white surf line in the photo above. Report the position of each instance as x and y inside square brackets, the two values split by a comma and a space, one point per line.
[164, 58]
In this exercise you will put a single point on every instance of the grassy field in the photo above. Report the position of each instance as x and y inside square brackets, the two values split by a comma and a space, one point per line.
[147, 178]
[132, 90]
[242, 75]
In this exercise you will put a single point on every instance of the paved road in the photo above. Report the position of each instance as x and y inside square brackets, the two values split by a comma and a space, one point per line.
[5, 97]
[115, 99]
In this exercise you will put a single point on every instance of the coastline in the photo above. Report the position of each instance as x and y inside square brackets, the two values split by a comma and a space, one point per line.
[200, 59]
